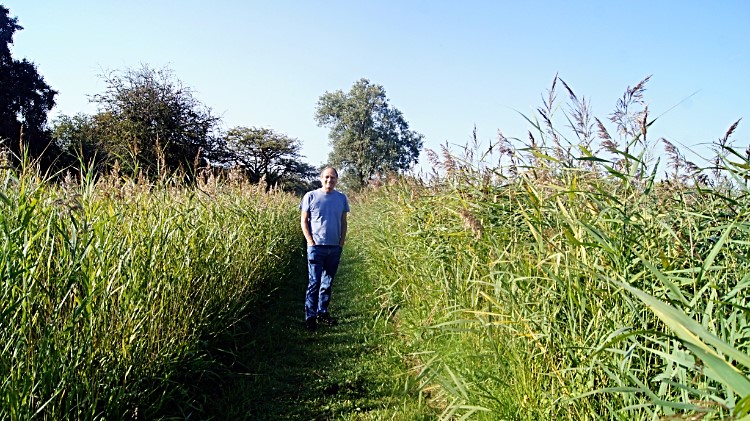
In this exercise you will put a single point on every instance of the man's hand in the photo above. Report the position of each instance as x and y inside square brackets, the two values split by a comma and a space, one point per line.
[305, 224]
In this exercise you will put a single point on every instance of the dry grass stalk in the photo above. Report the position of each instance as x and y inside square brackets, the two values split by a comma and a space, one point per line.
[676, 160]
[723, 141]
[471, 223]
[623, 117]
[546, 111]
[721, 153]
[449, 164]
[642, 120]
[603, 133]
[505, 148]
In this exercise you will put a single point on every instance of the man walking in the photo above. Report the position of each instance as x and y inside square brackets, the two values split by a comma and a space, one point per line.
[323, 222]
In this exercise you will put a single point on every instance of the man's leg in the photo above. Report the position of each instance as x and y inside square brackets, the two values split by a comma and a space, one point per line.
[330, 267]
[314, 275]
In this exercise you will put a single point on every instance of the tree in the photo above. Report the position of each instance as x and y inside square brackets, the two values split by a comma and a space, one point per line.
[25, 98]
[149, 121]
[77, 141]
[367, 134]
[267, 155]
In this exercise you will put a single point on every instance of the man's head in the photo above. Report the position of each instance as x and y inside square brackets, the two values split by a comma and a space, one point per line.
[328, 178]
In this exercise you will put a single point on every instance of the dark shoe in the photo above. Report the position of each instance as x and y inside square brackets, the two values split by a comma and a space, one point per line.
[311, 324]
[326, 319]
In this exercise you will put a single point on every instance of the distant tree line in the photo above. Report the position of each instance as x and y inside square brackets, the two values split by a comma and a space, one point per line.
[148, 124]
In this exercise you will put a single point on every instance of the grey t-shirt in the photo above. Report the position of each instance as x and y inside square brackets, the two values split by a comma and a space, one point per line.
[325, 210]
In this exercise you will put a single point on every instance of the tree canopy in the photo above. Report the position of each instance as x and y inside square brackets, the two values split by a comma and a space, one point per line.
[78, 140]
[265, 154]
[368, 135]
[25, 98]
[147, 123]
[148, 120]
[151, 124]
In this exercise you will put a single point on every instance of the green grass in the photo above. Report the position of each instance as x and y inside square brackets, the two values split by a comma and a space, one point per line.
[108, 289]
[551, 283]
[568, 285]
[564, 304]
[122, 300]
[269, 367]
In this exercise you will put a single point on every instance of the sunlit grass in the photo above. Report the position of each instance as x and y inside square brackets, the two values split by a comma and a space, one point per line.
[564, 285]
[109, 286]
[556, 279]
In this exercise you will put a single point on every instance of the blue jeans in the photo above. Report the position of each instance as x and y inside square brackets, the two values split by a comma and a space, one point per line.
[322, 264]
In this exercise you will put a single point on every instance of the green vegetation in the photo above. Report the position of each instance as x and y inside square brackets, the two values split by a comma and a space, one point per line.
[148, 122]
[269, 367]
[269, 157]
[109, 288]
[558, 286]
[369, 137]
[558, 278]
[544, 282]
[25, 98]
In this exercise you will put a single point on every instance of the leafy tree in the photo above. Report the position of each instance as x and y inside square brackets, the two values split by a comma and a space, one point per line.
[368, 135]
[25, 98]
[267, 155]
[77, 140]
[149, 121]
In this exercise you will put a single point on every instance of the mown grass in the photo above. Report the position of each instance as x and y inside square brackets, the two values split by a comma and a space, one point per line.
[269, 367]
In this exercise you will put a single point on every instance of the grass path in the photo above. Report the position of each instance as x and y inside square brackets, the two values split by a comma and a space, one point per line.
[268, 367]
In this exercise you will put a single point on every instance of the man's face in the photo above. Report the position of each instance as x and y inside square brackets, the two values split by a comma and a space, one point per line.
[328, 179]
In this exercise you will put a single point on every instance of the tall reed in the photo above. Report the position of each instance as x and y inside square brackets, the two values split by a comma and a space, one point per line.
[108, 286]
[560, 281]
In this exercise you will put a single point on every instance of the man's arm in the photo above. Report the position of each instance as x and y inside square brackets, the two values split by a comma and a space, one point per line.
[305, 224]
[343, 229]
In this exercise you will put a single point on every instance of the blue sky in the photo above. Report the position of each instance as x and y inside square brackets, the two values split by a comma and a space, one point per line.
[447, 65]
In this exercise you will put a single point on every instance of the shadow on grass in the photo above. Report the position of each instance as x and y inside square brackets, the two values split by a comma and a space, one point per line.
[269, 367]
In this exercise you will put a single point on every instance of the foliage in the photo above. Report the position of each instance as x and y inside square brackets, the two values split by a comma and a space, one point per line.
[269, 156]
[368, 135]
[151, 122]
[347, 372]
[570, 284]
[78, 141]
[25, 98]
[110, 287]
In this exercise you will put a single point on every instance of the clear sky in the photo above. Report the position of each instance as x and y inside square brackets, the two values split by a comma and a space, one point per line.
[447, 65]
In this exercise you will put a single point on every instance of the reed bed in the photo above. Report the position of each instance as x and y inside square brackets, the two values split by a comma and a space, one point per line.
[109, 287]
[546, 281]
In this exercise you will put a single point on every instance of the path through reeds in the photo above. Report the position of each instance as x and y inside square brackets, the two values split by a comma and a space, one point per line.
[269, 367]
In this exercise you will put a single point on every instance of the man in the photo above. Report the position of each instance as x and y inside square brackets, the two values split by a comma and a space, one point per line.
[323, 222]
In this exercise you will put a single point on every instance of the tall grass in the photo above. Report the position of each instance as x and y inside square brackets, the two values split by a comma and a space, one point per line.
[109, 286]
[562, 279]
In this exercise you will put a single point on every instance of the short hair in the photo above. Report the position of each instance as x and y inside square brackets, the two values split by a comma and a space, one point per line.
[329, 168]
